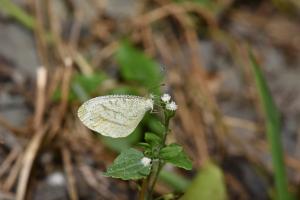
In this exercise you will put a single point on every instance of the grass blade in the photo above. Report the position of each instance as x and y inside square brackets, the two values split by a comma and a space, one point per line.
[273, 126]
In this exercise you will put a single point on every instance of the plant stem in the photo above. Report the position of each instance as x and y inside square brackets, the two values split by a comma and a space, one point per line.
[160, 164]
[144, 189]
[155, 176]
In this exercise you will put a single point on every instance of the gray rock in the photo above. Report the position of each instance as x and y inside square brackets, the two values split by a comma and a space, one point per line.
[17, 46]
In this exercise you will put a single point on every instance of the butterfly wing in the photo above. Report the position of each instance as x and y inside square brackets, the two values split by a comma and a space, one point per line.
[114, 115]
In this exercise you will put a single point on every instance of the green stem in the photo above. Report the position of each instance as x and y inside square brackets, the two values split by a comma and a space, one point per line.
[159, 164]
[143, 191]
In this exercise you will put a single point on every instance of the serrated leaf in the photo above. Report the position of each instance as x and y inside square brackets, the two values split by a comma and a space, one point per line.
[137, 67]
[152, 139]
[208, 184]
[128, 166]
[174, 154]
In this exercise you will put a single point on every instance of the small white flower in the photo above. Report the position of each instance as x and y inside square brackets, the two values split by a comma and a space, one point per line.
[166, 98]
[171, 106]
[146, 161]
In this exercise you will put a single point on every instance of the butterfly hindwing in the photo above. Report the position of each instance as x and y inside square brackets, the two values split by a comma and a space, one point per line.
[114, 115]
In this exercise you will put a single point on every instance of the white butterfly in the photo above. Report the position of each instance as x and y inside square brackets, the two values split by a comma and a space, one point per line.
[114, 115]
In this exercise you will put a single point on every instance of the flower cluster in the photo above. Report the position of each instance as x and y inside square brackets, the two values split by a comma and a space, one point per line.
[170, 105]
[146, 161]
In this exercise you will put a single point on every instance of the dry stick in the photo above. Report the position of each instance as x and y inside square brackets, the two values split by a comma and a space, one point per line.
[40, 33]
[147, 38]
[199, 77]
[235, 186]
[54, 81]
[40, 103]
[174, 8]
[76, 28]
[176, 82]
[69, 171]
[64, 101]
[55, 30]
[189, 125]
[105, 53]
[9, 160]
[34, 145]
[7, 125]
[27, 161]
[14, 171]
[192, 127]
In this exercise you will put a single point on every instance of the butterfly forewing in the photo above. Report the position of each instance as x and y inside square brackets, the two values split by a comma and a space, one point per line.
[114, 115]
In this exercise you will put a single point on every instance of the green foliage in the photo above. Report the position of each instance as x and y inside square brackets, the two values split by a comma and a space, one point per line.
[205, 3]
[208, 184]
[137, 67]
[121, 144]
[126, 90]
[175, 181]
[170, 151]
[153, 139]
[82, 86]
[128, 166]
[13, 10]
[154, 124]
[273, 125]
[174, 154]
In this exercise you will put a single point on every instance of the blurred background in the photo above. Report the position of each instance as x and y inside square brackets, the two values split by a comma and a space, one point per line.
[232, 66]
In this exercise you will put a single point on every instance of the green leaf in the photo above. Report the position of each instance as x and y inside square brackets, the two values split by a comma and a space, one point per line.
[170, 151]
[127, 90]
[152, 139]
[137, 67]
[174, 154]
[208, 184]
[273, 125]
[89, 83]
[154, 124]
[144, 145]
[121, 144]
[128, 166]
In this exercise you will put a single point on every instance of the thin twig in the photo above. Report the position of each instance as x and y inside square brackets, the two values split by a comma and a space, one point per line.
[27, 161]
[14, 171]
[9, 160]
[69, 172]
[41, 92]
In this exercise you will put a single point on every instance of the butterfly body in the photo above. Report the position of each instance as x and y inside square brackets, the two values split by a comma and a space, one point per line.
[114, 115]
